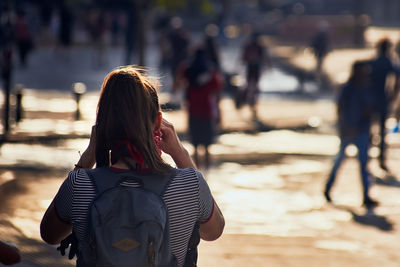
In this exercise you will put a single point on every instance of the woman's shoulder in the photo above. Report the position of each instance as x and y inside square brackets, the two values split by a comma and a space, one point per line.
[187, 173]
[187, 177]
[79, 177]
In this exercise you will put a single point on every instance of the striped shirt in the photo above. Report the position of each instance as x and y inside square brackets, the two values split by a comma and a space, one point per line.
[188, 199]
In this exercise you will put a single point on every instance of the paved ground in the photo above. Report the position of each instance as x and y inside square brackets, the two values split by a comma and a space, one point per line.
[268, 182]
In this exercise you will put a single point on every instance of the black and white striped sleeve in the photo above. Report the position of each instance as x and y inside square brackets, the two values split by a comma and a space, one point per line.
[64, 198]
[206, 202]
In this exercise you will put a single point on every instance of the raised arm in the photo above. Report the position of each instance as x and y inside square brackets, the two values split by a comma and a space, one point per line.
[171, 145]
[88, 157]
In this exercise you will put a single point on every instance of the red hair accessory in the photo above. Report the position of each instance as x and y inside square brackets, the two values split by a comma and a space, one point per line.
[132, 150]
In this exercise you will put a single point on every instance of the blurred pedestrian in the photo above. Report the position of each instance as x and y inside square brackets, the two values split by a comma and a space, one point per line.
[126, 145]
[65, 34]
[115, 27]
[212, 50]
[396, 98]
[354, 121]
[254, 56]
[203, 83]
[131, 34]
[98, 27]
[179, 41]
[23, 37]
[7, 40]
[9, 253]
[162, 27]
[381, 68]
[397, 50]
[320, 45]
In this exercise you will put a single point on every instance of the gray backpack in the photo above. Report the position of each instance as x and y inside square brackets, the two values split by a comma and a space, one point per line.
[128, 221]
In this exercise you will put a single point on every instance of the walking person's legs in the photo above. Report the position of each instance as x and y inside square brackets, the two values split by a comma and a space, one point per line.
[196, 154]
[252, 97]
[382, 146]
[23, 52]
[207, 160]
[332, 176]
[362, 143]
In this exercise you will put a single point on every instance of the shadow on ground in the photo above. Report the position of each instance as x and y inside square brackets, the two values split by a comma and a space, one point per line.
[387, 180]
[369, 218]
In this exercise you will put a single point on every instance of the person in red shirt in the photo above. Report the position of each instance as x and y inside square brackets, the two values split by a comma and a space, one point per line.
[203, 82]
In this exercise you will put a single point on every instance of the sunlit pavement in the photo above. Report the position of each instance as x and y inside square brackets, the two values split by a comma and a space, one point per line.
[268, 185]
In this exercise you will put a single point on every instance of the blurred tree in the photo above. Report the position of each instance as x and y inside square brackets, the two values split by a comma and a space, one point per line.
[173, 5]
[206, 7]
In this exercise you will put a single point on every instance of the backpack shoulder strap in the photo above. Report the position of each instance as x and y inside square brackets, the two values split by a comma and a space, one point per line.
[158, 184]
[102, 178]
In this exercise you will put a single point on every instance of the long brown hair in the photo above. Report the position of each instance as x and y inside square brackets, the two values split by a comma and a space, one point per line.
[127, 109]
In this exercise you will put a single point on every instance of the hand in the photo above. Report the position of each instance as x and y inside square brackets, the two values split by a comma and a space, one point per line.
[171, 145]
[69, 240]
[92, 141]
[88, 157]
